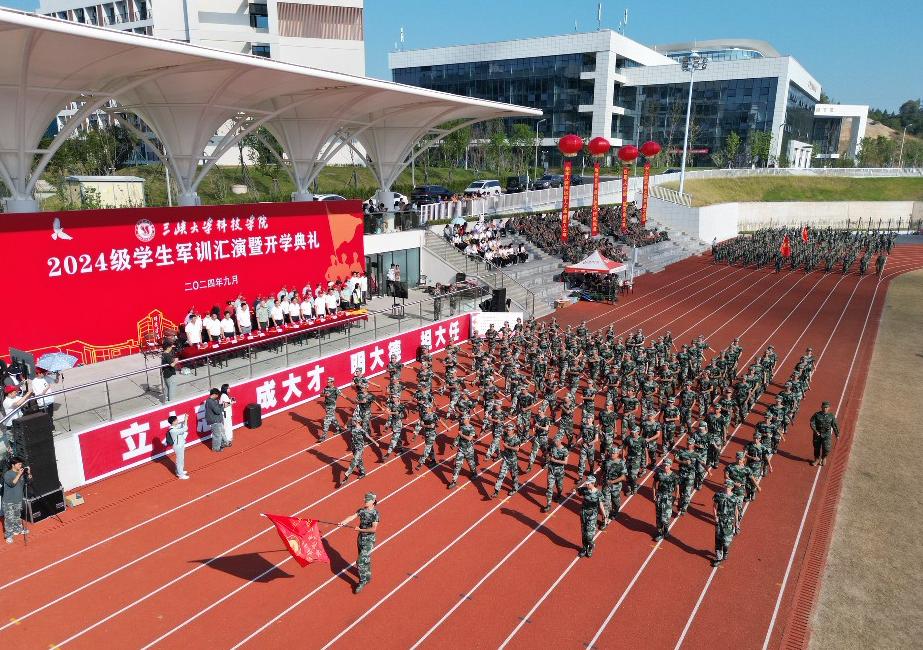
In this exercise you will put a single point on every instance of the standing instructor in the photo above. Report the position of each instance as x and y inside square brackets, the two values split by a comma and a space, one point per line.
[365, 543]
[823, 424]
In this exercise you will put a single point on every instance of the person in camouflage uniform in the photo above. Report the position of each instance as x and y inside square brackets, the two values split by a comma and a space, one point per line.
[540, 440]
[590, 508]
[716, 437]
[360, 383]
[510, 462]
[666, 482]
[396, 412]
[650, 430]
[357, 439]
[369, 518]
[823, 426]
[758, 460]
[614, 474]
[689, 459]
[428, 429]
[554, 466]
[331, 393]
[743, 479]
[394, 368]
[588, 437]
[636, 449]
[566, 421]
[466, 451]
[726, 508]
[701, 439]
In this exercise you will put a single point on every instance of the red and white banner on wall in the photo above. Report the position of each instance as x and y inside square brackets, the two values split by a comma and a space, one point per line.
[565, 199]
[116, 276]
[117, 446]
[645, 192]
[625, 198]
[594, 219]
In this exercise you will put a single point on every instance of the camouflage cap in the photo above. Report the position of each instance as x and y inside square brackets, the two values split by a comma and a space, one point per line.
[591, 478]
[825, 404]
[667, 461]
[729, 483]
[741, 454]
[370, 496]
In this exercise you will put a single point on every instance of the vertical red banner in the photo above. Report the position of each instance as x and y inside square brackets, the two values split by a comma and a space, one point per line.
[565, 200]
[645, 192]
[594, 223]
[625, 198]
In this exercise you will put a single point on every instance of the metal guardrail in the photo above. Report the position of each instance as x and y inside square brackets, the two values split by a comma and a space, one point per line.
[488, 273]
[103, 400]
[673, 196]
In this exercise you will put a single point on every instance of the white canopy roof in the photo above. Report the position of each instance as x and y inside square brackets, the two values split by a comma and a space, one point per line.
[595, 262]
[186, 92]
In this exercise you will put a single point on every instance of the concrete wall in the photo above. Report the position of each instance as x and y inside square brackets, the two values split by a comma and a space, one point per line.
[393, 241]
[820, 213]
[435, 268]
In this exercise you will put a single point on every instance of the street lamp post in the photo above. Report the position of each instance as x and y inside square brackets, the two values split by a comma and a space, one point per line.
[900, 158]
[691, 63]
[537, 138]
[781, 126]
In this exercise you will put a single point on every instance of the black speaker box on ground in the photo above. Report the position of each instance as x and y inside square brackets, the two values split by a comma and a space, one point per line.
[401, 290]
[460, 277]
[498, 302]
[44, 505]
[33, 442]
[253, 416]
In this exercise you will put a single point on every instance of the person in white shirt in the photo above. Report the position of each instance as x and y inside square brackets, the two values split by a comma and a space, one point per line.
[243, 318]
[294, 309]
[320, 306]
[41, 388]
[227, 325]
[12, 405]
[307, 307]
[285, 304]
[213, 327]
[194, 330]
[227, 403]
[392, 274]
[276, 316]
[333, 302]
[364, 287]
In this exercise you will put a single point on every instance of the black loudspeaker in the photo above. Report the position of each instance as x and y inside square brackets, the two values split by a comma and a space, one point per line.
[43, 506]
[400, 290]
[253, 416]
[460, 277]
[498, 302]
[34, 443]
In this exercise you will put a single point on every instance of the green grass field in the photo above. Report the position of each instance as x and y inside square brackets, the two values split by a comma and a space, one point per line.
[801, 188]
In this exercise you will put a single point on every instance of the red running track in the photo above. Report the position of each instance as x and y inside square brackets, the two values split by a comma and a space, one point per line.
[154, 562]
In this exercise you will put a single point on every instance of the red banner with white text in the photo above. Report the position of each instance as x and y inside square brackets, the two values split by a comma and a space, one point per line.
[594, 219]
[565, 199]
[114, 447]
[625, 198]
[116, 276]
[645, 192]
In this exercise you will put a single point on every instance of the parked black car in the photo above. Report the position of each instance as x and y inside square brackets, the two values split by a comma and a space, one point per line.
[548, 181]
[430, 194]
[517, 184]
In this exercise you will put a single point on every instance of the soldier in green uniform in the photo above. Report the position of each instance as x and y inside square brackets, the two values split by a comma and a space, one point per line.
[666, 482]
[758, 460]
[689, 460]
[590, 508]
[396, 412]
[880, 264]
[743, 479]
[607, 421]
[357, 439]
[554, 466]
[726, 517]
[428, 429]
[394, 368]
[614, 475]
[360, 382]
[510, 462]
[588, 437]
[636, 449]
[540, 439]
[823, 426]
[369, 519]
[466, 451]
[331, 393]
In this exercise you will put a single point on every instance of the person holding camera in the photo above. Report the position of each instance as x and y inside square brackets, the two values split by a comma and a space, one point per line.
[214, 417]
[176, 436]
[14, 481]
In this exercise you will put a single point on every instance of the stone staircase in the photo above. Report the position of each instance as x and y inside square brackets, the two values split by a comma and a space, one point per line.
[658, 256]
[522, 296]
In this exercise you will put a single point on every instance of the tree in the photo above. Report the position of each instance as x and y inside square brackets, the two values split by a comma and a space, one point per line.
[732, 148]
[454, 146]
[497, 146]
[521, 140]
[760, 147]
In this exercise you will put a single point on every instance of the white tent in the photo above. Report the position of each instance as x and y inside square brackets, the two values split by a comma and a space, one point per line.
[596, 262]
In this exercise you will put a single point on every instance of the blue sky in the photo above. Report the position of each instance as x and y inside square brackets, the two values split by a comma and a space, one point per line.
[861, 53]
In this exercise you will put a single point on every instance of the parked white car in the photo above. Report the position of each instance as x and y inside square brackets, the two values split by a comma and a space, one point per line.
[484, 188]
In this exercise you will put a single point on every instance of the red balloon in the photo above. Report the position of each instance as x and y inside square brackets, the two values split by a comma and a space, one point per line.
[650, 149]
[570, 145]
[598, 146]
[628, 153]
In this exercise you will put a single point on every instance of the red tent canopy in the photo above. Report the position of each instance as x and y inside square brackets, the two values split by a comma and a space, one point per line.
[596, 262]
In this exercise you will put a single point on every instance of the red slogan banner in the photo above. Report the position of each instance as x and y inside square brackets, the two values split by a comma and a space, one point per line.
[565, 199]
[117, 276]
[594, 223]
[117, 446]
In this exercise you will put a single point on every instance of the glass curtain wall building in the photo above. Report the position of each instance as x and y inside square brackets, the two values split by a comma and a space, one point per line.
[603, 84]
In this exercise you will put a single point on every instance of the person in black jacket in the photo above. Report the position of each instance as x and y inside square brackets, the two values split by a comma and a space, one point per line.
[214, 417]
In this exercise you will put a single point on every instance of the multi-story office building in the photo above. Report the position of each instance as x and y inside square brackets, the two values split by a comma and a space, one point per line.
[604, 84]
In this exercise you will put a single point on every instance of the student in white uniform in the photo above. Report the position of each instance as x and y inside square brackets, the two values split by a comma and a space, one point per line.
[294, 309]
[227, 325]
[243, 318]
[194, 330]
[320, 306]
[307, 307]
[276, 316]
[213, 327]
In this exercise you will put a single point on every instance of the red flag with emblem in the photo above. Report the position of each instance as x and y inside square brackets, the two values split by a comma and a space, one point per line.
[804, 234]
[301, 537]
[786, 247]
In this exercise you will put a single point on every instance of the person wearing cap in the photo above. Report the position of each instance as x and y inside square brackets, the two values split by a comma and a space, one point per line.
[743, 479]
[369, 518]
[214, 417]
[331, 394]
[466, 451]
[509, 457]
[556, 461]
[666, 483]
[689, 459]
[395, 414]
[823, 426]
[178, 432]
[759, 460]
[614, 474]
[357, 439]
[636, 451]
[13, 401]
[726, 508]
[590, 508]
